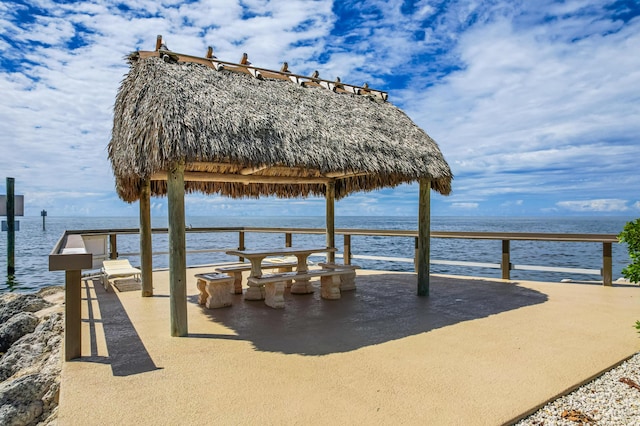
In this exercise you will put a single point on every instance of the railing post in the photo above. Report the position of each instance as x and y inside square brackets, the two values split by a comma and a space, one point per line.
[415, 254]
[287, 239]
[347, 250]
[113, 246]
[506, 260]
[241, 244]
[73, 314]
[607, 265]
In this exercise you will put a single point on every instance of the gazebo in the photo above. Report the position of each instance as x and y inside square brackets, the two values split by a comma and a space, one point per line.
[185, 124]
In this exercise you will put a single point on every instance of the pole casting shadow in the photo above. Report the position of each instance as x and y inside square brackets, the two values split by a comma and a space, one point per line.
[127, 354]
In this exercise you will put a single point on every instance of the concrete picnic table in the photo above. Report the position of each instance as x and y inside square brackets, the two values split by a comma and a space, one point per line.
[256, 256]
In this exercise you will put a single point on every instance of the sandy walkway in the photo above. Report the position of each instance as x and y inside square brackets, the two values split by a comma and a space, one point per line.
[475, 352]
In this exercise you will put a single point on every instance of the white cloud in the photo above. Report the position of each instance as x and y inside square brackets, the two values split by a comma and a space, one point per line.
[532, 111]
[523, 107]
[601, 205]
[465, 206]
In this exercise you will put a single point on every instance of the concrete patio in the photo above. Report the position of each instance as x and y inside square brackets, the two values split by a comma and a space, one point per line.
[476, 352]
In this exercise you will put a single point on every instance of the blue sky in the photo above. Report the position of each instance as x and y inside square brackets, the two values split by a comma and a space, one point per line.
[535, 104]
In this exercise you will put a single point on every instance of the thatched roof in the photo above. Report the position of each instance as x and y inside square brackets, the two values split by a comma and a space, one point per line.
[246, 137]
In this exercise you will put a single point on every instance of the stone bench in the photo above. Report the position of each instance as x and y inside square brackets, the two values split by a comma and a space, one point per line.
[347, 281]
[237, 270]
[214, 290]
[274, 284]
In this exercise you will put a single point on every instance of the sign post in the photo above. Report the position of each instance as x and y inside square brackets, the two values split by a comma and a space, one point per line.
[11, 223]
[11, 206]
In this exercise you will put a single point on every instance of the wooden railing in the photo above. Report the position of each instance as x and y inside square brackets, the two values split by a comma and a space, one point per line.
[505, 265]
[71, 256]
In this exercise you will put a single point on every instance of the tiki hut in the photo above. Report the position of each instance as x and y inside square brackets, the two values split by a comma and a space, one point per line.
[185, 124]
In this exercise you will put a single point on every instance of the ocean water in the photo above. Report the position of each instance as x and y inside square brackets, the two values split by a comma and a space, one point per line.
[33, 244]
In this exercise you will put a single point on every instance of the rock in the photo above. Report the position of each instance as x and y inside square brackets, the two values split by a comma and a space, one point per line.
[34, 348]
[20, 400]
[13, 303]
[16, 327]
[30, 369]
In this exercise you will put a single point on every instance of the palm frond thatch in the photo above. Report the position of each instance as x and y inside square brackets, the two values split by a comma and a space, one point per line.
[224, 123]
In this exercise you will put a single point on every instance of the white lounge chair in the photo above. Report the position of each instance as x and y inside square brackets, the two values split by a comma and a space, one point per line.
[121, 268]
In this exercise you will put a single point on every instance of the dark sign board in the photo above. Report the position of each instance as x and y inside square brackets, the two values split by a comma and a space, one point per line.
[5, 226]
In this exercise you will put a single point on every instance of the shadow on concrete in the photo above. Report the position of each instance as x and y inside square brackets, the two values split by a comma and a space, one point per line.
[383, 308]
[127, 354]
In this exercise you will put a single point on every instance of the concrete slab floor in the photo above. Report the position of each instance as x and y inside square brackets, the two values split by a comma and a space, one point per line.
[476, 352]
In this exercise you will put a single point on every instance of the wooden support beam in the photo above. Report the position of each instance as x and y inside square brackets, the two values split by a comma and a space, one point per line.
[330, 219]
[335, 175]
[424, 237]
[73, 314]
[251, 170]
[231, 178]
[209, 52]
[177, 251]
[158, 42]
[146, 250]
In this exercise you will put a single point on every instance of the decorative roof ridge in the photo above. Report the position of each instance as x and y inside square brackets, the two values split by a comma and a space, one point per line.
[245, 67]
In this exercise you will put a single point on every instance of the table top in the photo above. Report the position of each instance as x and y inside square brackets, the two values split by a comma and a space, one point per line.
[280, 251]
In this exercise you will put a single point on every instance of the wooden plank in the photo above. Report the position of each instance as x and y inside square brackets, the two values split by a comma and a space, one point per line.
[177, 250]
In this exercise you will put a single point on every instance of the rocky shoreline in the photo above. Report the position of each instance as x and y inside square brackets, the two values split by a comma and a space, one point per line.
[31, 332]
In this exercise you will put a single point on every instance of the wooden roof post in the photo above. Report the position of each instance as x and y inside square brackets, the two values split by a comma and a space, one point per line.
[424, 236]
[146, 256]
[330, 219]
[177, 250]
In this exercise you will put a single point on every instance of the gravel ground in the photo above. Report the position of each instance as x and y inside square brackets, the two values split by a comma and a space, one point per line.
[611, 399]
